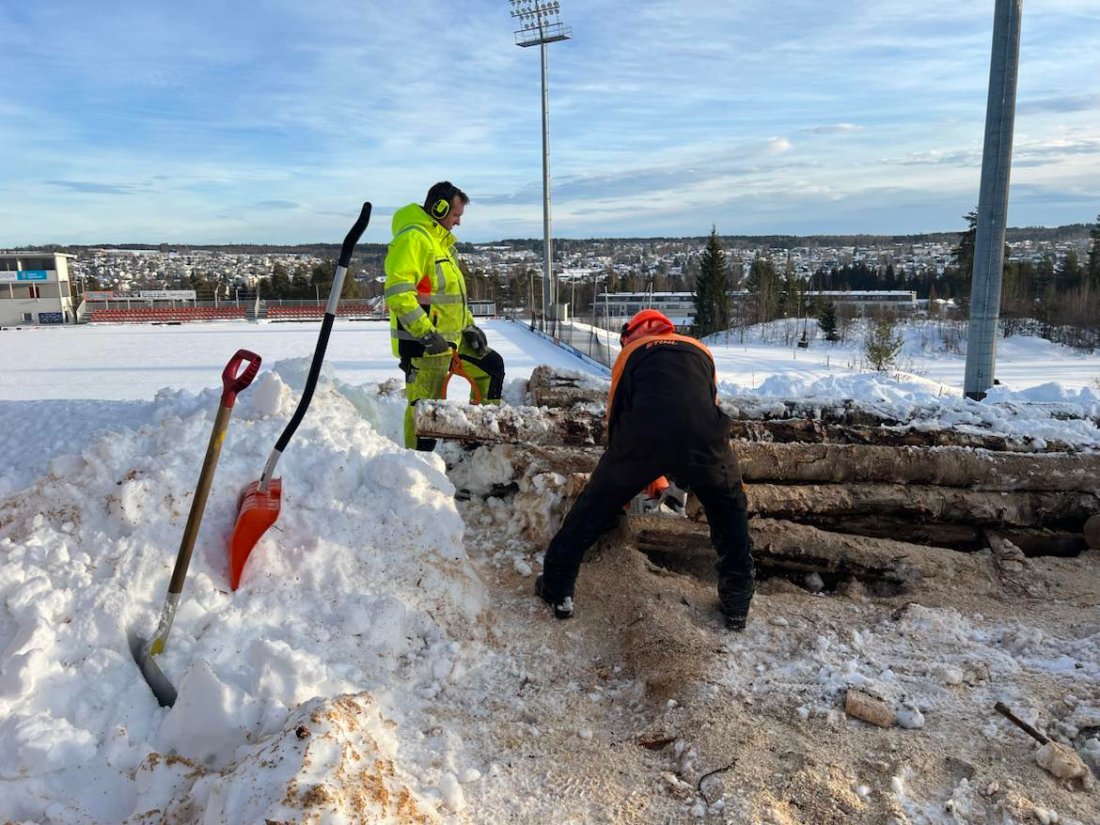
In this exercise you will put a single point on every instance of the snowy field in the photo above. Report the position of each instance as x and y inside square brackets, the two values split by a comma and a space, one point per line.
[353, 673]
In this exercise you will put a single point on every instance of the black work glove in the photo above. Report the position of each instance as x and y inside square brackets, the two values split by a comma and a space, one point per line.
[435, 344]
[476, 340]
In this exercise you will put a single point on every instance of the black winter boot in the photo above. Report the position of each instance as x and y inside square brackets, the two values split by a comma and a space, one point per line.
[736, 621]
[563, 606]
[734, 598]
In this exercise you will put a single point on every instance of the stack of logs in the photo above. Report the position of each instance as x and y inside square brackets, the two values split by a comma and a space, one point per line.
[817, 474]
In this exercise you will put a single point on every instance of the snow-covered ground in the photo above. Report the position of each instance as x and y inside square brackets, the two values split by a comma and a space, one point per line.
[383, 659]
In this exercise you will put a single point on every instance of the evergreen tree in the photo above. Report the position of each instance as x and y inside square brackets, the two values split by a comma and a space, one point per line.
[764, 287]
[280, 286]
[1092, 268]
[712, 310]
[790, 296]
[1069, 273]
[827, 321]
[963, 254]
[882, 344]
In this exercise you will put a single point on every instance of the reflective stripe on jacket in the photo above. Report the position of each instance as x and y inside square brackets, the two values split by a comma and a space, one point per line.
[425, 289]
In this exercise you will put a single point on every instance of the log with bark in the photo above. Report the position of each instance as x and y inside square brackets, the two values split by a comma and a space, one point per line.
[813, 431]
[794, 551]
[585, 424]
[943, 466]
[489, 424]
[550, 387]
[899, 507]
[788, 463]
[842, 466]
[914, 503]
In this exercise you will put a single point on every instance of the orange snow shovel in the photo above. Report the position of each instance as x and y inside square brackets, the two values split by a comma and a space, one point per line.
[234, 380]
[456, 368]
[261, 500]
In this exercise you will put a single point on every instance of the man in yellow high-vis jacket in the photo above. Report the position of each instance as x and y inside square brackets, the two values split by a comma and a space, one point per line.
[426, 298]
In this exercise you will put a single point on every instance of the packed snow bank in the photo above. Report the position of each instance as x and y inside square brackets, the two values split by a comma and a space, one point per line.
[362, 588]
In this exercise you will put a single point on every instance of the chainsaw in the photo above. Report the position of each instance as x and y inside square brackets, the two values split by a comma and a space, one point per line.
[661, 498]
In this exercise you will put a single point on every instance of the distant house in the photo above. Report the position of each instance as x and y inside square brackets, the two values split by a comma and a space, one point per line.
[35, 289]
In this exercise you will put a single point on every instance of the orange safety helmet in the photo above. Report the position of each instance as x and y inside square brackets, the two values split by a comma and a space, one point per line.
[646, 322]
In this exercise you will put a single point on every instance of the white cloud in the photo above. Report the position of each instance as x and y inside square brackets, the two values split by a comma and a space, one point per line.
[211, 108]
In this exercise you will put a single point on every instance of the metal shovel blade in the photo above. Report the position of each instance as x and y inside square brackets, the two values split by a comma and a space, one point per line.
[259, 510]
[158, 682]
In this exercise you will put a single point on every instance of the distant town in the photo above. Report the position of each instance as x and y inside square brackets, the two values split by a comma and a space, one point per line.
[509, 272]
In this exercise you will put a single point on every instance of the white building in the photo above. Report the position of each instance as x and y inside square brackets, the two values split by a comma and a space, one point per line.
[34, 289]
[898, 300]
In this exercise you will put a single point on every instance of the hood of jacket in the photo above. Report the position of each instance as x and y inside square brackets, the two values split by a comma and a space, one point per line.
[413, 213]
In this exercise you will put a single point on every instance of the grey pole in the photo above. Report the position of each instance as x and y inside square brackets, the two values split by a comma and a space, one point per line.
[549, 293]
[989, 241]
[541, 26]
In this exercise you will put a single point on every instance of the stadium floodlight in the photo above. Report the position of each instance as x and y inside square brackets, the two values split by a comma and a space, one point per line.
[539, 26]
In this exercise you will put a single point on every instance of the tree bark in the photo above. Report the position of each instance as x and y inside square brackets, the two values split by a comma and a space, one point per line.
[490, 424]
[943, 466]
[549, 388]
[792, 551]
[585, 424]
[918, 503]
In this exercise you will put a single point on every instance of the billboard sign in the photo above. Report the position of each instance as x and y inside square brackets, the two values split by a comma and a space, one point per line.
[16, 275]
[51, 318]
[99, 294]
[168, 294]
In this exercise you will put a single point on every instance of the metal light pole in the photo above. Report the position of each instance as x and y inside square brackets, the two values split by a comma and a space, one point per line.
[989, 241]
[541, 26]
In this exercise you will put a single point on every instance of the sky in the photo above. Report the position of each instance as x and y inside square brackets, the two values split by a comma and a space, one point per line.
[366, 634]
[207, 122]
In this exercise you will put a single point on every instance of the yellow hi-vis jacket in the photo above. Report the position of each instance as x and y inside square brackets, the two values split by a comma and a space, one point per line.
[425, 289]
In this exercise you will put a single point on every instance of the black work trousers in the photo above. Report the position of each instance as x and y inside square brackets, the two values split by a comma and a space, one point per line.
[618, 478]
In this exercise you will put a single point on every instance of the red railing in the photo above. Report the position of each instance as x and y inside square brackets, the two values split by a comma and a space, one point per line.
[145, 315]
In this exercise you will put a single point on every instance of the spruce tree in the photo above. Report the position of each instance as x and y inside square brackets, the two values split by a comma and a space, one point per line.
[764, 286]
[882, 344]
[1092, 268]
[964, 252]
[712, 311]
[827, 321]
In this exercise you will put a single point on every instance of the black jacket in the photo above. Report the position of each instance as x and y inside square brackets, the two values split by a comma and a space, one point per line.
[663, 401]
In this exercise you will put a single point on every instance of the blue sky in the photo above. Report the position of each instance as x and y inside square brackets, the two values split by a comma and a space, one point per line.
[270, 121]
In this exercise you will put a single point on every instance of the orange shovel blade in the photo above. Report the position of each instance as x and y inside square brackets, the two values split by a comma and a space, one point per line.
[259, 510]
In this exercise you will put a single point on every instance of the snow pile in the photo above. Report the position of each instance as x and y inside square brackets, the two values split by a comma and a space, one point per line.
[361, 588]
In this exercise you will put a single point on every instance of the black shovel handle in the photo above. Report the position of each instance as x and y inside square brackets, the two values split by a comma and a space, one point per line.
[354, 234]
[350, 241]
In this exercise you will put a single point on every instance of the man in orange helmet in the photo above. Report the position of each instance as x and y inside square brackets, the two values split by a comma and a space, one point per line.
[662, 418]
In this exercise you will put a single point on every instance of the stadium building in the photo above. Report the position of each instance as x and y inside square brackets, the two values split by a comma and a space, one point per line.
[34, 289]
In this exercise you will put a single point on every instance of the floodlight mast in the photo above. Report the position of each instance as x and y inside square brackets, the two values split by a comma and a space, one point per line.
[541, 26]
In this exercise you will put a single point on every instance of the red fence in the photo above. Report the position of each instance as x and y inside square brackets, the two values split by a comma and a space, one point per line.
[284, 312]
[145, 315]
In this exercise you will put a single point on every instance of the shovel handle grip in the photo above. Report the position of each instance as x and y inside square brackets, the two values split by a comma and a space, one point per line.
[234, 379]
[352, 238]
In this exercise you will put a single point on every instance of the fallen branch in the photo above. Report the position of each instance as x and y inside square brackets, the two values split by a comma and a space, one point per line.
[1002, 709]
